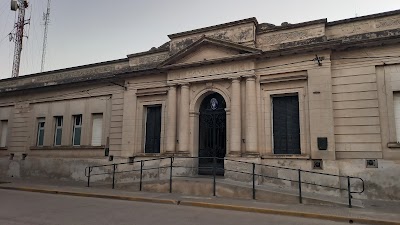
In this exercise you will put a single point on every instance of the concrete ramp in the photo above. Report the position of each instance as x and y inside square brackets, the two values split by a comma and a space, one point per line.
[203, 186]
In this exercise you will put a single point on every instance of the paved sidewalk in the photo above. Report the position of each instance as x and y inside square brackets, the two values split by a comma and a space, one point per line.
[375, 212]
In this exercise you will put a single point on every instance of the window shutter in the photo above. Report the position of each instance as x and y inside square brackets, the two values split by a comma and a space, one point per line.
[396, 101]
[4, 133]
[97, 130]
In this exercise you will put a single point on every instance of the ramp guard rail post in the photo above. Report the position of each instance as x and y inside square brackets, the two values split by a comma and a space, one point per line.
[349, 191]
[170, 174]
[214, 174]
[89, 173]
[141, 175]
[254, 181]
[113, 176]
[300, 197]
[88, 177]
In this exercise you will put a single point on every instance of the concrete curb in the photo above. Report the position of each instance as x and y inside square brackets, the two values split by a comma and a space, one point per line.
[82, 194]
[213, 205]
[290, 213]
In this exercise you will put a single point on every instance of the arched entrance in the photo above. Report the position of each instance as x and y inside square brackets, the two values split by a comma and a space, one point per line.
[212, 133]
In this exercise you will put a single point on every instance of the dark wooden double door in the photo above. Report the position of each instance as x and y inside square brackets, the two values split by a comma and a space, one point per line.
[212, 134]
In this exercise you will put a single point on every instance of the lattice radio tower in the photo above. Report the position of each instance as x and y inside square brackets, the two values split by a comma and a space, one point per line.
[46, 19]
[20, 6]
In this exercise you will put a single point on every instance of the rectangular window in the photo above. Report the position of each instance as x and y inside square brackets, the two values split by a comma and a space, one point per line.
[97, 129]
[4, 133]
[77, 130]
[40, 132]
[153, 129]
[58, 130]
[396, 104]
[286, 124]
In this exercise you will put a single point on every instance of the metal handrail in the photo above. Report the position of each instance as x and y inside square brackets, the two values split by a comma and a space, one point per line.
[114, 171]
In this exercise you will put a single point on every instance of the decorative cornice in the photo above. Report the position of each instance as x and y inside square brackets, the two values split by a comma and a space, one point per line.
[248, 76]
[235, 79]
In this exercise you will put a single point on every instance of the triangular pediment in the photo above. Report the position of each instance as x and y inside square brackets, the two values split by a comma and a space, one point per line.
[207, 50]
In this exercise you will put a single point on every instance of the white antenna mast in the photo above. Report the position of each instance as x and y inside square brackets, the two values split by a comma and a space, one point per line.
[20, 6]
[46, 18]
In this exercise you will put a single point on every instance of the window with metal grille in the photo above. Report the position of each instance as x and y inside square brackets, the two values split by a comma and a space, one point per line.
[286, 124]
[58, 130]
[40, 132]
[77, 130]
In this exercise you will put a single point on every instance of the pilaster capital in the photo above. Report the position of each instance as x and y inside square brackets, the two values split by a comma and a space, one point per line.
[249, 76]
[184, 85]
[171, 86]
[235, 79]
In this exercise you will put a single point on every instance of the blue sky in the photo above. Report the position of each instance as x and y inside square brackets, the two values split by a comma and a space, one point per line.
[90, 31]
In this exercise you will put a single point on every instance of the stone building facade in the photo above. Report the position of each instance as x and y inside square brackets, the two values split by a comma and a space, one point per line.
[295, 95]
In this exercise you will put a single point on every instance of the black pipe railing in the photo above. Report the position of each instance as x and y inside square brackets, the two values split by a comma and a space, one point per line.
[114, 171]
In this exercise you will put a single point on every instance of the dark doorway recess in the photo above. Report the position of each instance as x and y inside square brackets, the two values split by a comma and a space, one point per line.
[212, 134]
[153, 129]
[286, 124]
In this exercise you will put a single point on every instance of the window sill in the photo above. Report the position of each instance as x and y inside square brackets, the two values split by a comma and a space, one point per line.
[83, 147]
[163, 154]
[147, 154]
[3, 148]
[285, 156]
[393, 145]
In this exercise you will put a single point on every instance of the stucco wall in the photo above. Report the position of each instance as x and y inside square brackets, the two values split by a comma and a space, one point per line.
[356, 113]
[104, 99]
[363, 102]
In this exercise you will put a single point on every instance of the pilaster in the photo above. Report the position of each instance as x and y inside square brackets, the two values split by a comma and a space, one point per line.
[171, 120]
[129, 122]
[235, 119]
[184, 119]
[251, 116]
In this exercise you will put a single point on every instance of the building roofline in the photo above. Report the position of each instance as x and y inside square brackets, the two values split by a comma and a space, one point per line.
[215, 27]
[65, 69]
[291, 26]
[148, 52]
[333, 45]
[371, 16]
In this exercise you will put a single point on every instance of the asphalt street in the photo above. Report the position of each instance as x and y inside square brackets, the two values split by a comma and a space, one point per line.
[27, 208]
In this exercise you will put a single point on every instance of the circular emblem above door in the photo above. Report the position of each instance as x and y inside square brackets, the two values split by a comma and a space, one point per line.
[214, 103]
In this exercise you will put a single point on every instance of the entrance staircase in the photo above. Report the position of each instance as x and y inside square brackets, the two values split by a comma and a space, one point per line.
[157, 175]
